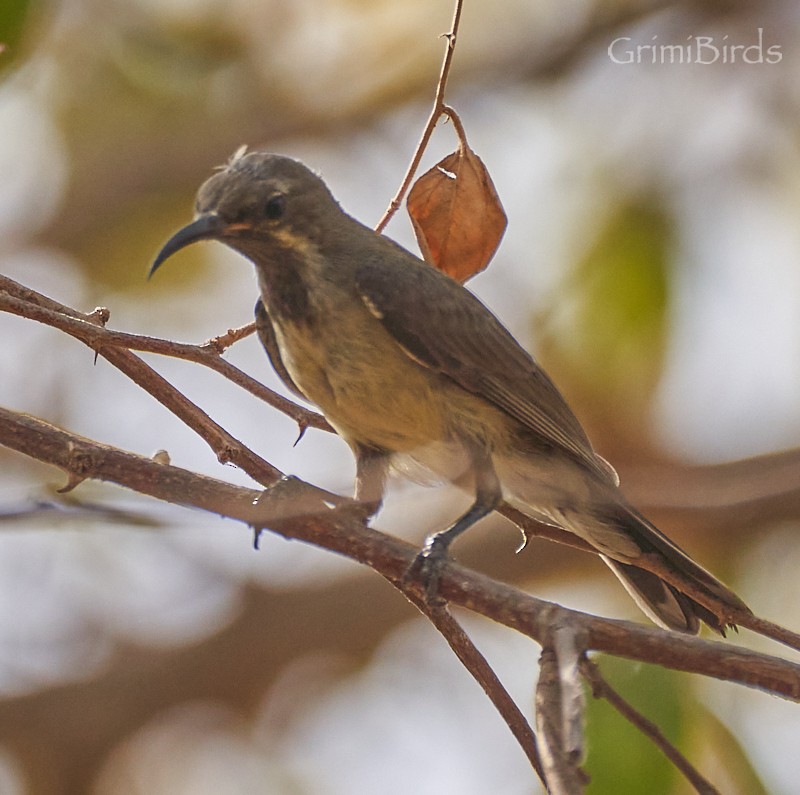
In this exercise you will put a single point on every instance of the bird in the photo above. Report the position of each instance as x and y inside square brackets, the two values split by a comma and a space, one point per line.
[412, 369]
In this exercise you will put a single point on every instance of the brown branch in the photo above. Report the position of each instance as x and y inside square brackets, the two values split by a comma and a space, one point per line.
[559, 711]
[20, 300]
[430, 126]
[226, 446]
[601, 689]
[484, 675]
[781, 467]
[24, 302]
[222, 342]
[530, 529]
[298, 510]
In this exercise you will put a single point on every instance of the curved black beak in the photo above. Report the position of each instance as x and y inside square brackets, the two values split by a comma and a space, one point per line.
[206, 227]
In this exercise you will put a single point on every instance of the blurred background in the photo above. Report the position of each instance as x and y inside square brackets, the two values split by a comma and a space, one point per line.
[651, 263]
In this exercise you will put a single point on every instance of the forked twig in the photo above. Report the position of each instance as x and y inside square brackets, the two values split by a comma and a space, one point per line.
[24, 302]
[227, 448]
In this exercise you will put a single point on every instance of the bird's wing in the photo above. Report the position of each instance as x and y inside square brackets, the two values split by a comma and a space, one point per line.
[443, 326]
[266, 333]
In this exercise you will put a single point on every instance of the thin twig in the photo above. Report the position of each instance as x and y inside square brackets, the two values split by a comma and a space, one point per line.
[769, 629]
[653, 563]
[222, 342]
[601, 689]
[24, 302]
[457, 125]
[430, 126]
[477, 665]
[227, 448]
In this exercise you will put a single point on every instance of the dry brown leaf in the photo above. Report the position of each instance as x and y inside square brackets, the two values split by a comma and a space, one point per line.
[457, 215]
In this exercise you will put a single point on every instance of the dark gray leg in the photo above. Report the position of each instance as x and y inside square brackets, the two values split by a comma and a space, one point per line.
[488, 494]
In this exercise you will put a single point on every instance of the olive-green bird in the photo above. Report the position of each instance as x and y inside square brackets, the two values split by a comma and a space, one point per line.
[407, 365]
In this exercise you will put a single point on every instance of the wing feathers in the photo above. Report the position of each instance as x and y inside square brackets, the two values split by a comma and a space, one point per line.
[443, 326]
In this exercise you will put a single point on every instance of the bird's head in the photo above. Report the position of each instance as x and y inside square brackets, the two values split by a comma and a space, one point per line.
[261, 205]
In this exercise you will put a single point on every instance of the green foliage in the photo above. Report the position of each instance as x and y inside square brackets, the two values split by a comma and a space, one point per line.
[13, 15]
[621, 759]
[609, 330]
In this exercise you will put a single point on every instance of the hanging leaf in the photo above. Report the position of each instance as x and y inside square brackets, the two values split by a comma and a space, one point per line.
[457, 215]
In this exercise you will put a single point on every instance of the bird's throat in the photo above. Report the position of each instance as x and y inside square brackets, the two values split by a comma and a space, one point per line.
[284, 287]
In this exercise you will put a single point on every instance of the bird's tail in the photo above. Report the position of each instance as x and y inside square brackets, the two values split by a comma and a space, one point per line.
[664, 602]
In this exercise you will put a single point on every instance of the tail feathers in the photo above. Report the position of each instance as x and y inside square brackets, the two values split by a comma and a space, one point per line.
[626, 540]
[663, 602]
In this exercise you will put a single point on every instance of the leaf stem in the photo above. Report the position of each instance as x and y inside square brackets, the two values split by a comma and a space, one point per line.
[439, 108]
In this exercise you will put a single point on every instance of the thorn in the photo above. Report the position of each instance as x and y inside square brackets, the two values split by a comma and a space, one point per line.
[99, 316]
[73, 480]
[303, 428]
[257, 531]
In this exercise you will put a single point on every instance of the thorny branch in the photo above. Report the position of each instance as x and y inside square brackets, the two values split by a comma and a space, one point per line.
[304, 512]
[298, 510]
[83, 462]
[20, 300]
[113, 346]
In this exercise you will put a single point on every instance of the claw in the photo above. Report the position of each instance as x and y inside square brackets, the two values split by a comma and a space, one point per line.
[426, 569]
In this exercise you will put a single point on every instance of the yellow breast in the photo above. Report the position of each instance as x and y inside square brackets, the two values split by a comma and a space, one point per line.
[364, 383]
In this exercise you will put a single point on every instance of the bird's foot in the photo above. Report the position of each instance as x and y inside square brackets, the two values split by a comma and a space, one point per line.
[426, 569]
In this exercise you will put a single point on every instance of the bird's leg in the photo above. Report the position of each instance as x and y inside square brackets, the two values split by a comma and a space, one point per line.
[371, 467]
[488, 494]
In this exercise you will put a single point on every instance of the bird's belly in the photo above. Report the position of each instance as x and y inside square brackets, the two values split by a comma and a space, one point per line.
[366, 387]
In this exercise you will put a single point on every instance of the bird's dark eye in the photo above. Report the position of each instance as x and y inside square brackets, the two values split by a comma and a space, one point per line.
[275, 207]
